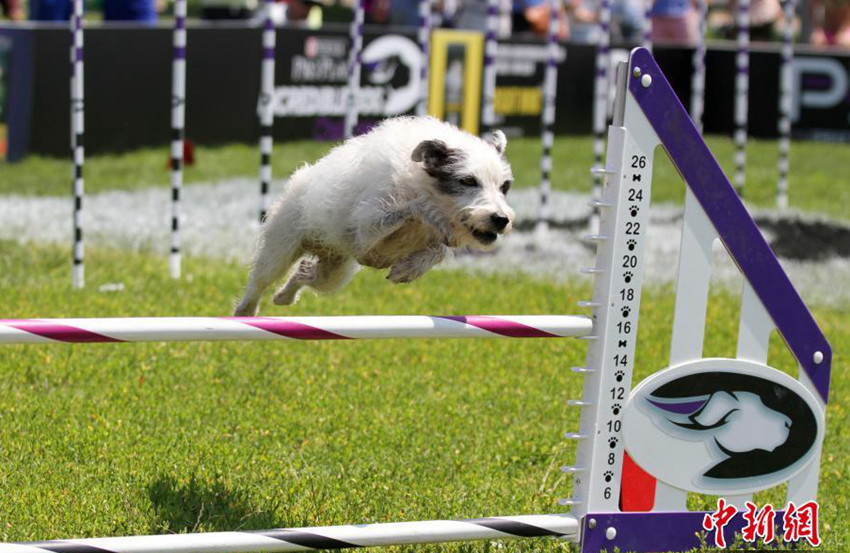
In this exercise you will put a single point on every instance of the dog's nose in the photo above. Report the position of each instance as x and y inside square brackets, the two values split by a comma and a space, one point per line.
[499, 221]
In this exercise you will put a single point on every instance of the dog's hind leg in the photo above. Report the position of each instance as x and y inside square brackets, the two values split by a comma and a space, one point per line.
[325, 274]
[270, 264]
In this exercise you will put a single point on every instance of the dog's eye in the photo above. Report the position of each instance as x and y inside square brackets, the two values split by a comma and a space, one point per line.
[505, 187]
[471, 182]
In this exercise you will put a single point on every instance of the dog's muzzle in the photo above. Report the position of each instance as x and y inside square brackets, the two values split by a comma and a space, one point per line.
[498, 224]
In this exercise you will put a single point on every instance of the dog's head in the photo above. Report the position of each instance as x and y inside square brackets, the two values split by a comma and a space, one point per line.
[471, 182]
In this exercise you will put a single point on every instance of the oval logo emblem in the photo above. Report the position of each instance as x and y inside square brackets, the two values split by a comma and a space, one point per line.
[722, 426]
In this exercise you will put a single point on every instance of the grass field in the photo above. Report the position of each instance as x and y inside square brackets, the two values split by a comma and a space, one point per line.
[813, 186]
[152, 438]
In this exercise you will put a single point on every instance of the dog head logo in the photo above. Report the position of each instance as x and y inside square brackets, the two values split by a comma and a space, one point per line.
[726, 425]
[471, 182]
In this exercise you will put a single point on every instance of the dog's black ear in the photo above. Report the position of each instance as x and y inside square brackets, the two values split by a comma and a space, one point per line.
[498, 140]
[436, 157]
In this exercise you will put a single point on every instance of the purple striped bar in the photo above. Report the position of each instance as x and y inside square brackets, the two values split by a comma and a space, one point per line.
[501, 327]
[207, 329]
[180, 52]
[56, 331]
[288, 329]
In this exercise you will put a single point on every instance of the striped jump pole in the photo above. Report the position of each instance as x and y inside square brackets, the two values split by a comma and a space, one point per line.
[742, 90]
[178, 127]
[547, 116]
[352, 109]
[188, 329]
[266, 109]
[785, 77]
[425, 49]
[78, 278]
[322, 537]
[600, 98]
[491, 47]
[698, 76]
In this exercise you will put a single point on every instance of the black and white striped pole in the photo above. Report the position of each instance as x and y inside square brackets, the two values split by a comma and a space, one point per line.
[785, 78]
[266, 109]
[425, 48]
[178, 122]
[325, 537]
[600, 100]
[78, 279]
[698, 76]
[646, 23]
[742, 89]
[352, 109]
[547, 117]
[491, 47]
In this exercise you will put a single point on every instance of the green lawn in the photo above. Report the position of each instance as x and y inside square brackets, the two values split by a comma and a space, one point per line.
[813, 182]
[151, 438]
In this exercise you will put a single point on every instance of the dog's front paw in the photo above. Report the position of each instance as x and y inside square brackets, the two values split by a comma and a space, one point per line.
[404, 271]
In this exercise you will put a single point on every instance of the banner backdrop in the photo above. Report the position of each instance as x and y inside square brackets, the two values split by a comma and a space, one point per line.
[128, 81]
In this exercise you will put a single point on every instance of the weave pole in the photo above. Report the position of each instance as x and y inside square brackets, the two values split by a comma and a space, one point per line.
[78, 277]
[698, 76]
[178, 128]
[187, 329]
[785, 77]
[742, 89]
[266, 109]
[352, 109]
[600, 98]
[491, 48]
[646, 30]
[547, 117]
[425, 48]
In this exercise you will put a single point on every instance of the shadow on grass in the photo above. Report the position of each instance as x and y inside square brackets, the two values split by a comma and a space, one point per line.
[200, 505]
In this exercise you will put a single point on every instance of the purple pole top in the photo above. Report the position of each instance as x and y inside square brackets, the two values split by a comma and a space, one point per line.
[730, 218]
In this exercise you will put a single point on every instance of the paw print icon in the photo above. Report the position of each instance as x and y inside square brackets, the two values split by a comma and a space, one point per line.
[627, 276]
[619, 376]
[626, 311]
[612, 443]
[631, 245]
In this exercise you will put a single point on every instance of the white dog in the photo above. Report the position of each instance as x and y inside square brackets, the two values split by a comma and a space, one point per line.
[399, 196]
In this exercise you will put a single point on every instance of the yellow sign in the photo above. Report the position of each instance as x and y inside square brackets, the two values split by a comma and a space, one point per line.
[473, 57]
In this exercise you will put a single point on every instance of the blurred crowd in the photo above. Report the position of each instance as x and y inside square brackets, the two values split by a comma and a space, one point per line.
[819, 22]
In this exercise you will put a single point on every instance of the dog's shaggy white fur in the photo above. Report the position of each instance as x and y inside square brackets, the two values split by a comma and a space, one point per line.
[399, 196]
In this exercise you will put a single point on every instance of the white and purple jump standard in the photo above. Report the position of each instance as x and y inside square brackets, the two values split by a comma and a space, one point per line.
[178, 131]
[266, 107]
[640, 450]
[78, 278]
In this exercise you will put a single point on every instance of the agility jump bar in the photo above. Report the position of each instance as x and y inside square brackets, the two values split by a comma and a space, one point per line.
[323, 537]
[207, 329]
